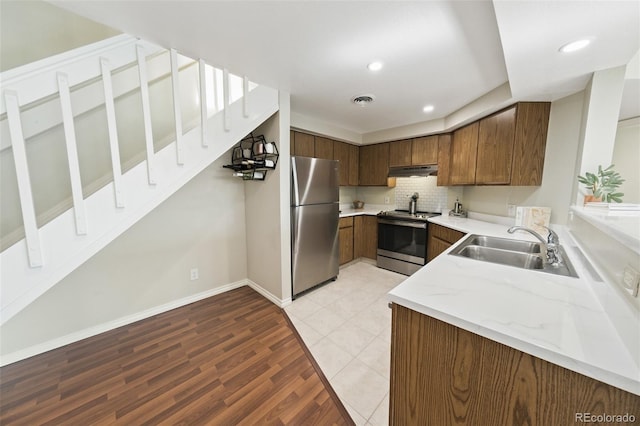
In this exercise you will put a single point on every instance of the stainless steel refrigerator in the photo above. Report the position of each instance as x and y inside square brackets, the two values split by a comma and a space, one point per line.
[314, 222]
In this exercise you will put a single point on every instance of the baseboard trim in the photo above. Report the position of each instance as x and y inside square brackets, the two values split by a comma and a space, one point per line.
[267, 294]
[111, 325]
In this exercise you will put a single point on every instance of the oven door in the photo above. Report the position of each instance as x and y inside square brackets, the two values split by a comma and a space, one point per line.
[403, 240]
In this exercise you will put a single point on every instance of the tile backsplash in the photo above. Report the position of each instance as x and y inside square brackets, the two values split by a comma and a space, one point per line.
[432, 198]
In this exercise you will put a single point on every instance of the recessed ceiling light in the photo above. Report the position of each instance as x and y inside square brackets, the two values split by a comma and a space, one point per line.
[363, 100]
[375, 66]
[574, 45]
[428, 108]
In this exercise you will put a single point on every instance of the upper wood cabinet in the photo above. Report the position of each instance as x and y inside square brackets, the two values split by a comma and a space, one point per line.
[444, 158]
[495, 148]
[400, 153]
[414, 152]
[341, 153]
[323, 148]
[302, 145]
[354, 161]
[464, 150]
[424, 150]
[506, 148]
[532, 122]
[374, 164]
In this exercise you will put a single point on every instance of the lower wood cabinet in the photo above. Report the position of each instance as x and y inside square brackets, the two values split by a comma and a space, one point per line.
[345, 238]
[440, 239]
[444, 375]
[365, 236]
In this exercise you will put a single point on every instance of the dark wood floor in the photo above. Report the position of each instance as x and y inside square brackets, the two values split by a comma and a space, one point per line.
[227, 360]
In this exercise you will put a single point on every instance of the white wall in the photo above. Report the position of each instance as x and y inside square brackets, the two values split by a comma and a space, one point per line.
[267, 215]
[558, 177]
[603, 97]
[45, 29]
[626, 157]
[200, 226]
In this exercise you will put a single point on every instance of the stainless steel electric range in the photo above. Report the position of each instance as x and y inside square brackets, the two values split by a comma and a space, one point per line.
[402, 240]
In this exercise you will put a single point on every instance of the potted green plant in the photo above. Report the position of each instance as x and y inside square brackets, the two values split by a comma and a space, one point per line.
[603, 185]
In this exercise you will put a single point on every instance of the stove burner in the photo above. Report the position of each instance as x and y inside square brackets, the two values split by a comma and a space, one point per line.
[404, 214]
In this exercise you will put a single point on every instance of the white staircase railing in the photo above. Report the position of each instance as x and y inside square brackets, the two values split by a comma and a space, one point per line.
[49, 252]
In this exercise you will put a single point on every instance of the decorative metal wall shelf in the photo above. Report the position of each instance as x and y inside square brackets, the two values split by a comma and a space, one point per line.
[253, 157]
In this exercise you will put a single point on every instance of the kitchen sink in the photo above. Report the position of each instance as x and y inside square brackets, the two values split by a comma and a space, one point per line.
[505, 257]
[505, 244]
[516, 253]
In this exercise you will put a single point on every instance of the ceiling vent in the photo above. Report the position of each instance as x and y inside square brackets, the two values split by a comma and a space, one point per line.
[363, 100]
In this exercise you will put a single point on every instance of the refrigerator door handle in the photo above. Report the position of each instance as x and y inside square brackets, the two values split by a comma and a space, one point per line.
[294, 181]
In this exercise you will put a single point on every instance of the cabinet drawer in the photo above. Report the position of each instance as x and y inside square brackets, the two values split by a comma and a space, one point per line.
[346, 222]
[444, 233]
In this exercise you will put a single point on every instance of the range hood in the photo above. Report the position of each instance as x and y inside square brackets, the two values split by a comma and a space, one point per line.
[410, 171]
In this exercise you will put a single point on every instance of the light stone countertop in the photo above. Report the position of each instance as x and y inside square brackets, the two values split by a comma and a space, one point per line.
[556, 318]
[347, 210]
[624, 226]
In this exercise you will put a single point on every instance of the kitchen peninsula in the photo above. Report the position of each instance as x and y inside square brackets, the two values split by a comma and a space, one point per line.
[498, 344]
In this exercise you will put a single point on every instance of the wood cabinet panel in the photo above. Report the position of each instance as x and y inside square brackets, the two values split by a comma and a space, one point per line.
[365, 236]
[441, 374]
[400, 153]
[495, 148]
[435, 247]
[354, 161]
[323, 148]
[464, 150]
[374, 164]
[341, 153]
[345, 222]
[446, 234]
[424, 150]
[303, 144]
[444, 158]
[440, 239]
[532, 122]
[345, 237]
[291, 142]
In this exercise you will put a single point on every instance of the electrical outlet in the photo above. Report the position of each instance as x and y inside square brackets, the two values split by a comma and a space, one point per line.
[386, 200]
[631, 280]
[194, 274]
[511, 210]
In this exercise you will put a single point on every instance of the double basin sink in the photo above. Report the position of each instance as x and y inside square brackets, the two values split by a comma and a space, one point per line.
[517, 253]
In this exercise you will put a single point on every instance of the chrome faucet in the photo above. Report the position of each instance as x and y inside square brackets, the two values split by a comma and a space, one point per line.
[552, 243]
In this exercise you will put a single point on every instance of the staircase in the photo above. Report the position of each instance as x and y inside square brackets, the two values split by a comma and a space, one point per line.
[206, 111]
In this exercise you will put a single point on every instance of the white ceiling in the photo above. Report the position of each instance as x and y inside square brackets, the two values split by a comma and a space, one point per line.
[444, 53]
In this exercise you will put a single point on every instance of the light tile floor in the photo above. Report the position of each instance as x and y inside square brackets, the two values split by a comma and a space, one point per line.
[347, 326]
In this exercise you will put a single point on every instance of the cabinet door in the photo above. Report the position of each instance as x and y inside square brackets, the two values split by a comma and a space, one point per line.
[495, 148]
[374, 164]
[435, 247]
[365, 236]
[424, 150]
[532, 122]
[341, 153]
[444, 158]
[346, 245]
[445, 234]
[400, 153]
[291, 142]
[323, 148]
[304, 144]
[354, 161]
[464, 150]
